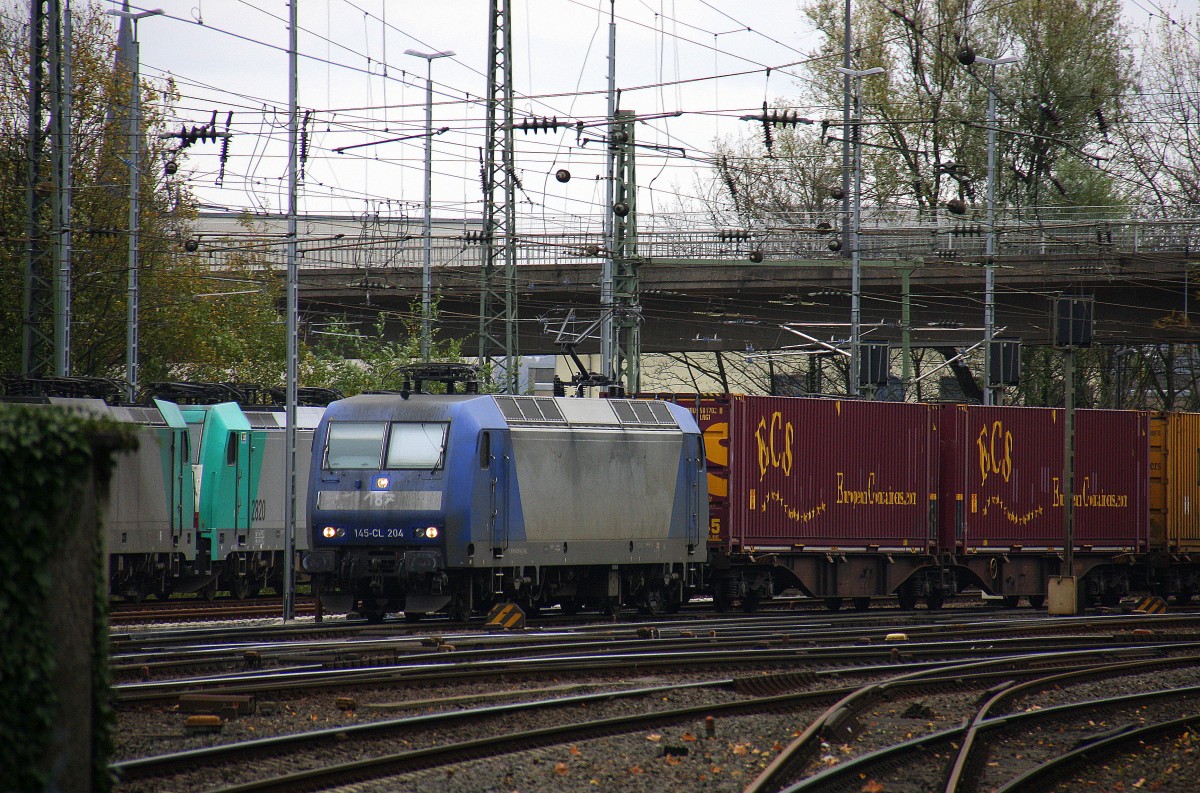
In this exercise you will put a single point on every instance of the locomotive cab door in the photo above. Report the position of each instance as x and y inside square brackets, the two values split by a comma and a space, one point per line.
[698, 493]
[181, 498]
[494, 449]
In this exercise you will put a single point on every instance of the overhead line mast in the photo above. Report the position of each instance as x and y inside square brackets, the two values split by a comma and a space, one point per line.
[47, 298]
[497, 287]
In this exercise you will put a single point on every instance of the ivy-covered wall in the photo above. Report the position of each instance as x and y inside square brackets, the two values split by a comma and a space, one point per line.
[54, 473]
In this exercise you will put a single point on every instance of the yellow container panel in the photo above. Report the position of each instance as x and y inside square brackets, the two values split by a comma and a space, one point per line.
[1182, 464]
[1157, 492]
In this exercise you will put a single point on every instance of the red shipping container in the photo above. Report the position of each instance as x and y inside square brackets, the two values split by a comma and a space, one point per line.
[1002, 478]
[831, 474]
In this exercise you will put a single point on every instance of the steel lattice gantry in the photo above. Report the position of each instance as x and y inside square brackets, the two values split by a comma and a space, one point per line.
[497, 288]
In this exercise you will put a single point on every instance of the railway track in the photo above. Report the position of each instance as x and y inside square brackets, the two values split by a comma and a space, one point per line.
[580, 688]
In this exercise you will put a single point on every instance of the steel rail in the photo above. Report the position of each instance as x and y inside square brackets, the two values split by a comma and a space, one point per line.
[849, 775]
[787, 762]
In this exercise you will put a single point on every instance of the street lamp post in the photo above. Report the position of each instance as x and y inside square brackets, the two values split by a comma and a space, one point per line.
[856, 210]
[966, 57]
[135, 134]
[427, 263]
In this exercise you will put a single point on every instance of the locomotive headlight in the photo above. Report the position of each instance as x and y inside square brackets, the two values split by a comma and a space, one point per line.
[332, 532]
[382, 482]
[429, 533]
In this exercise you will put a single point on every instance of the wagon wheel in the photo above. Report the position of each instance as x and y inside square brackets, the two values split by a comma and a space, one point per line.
[1037, 601]
[907, 600]
[1011, 601]
[833, 604]
[862, 604]
[934, 601]
[750, 603]
[208, 591]
[569, 606]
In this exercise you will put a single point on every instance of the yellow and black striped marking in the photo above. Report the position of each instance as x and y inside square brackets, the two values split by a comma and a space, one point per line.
[507, 616]
[1151, 605]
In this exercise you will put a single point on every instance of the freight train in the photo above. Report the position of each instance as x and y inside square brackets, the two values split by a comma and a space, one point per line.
[198, 506]
[421, 502]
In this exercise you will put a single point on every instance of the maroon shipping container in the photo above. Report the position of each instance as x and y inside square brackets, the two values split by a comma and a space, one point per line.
[1002, 478]
[825, 474]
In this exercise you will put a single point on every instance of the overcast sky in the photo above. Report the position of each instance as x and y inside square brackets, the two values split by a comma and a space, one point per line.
[707, 59]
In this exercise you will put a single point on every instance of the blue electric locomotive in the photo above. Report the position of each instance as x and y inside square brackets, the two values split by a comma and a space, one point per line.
[421, 502]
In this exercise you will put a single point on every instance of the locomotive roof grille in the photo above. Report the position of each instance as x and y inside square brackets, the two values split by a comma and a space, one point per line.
[530, 410]
[642, 412]
[150, 416]
[546, 411]
[264, 419]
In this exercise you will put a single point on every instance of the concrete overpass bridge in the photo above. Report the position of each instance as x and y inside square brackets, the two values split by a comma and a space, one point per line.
[704, 288]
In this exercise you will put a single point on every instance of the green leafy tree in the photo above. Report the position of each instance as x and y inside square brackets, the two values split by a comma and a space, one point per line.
[928, 110]
[200, 318]
[340, 356]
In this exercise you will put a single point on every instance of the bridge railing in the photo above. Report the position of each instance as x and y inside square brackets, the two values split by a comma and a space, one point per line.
[883, 236]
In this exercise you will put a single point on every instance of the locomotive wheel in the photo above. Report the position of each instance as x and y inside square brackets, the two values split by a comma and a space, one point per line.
[652, 603]
[240, 587]
[569, 606]
[372, 613]
[458, 610]
[414, 616]
[833, 604]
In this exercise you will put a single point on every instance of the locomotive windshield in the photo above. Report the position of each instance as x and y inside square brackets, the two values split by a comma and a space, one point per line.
[417, 444]
[354, 444]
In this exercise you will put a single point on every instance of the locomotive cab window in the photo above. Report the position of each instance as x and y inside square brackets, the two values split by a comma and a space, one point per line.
[417, 444]
[354, 444]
